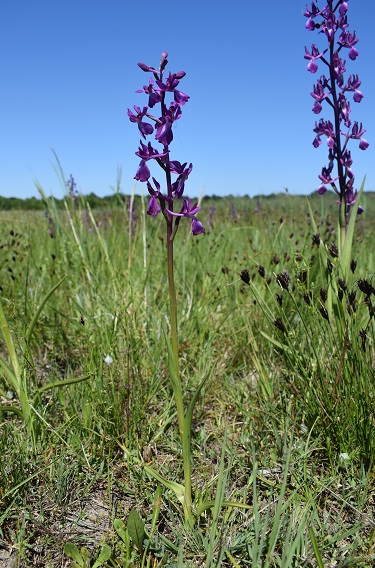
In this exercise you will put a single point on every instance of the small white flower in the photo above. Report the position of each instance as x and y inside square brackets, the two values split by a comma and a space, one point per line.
[108, 360]
[344, 456]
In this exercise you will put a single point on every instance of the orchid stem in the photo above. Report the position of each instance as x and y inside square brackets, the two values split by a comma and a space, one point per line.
[184, 426]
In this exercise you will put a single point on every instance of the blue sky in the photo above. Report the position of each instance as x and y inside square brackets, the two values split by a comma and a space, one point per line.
[69, 72]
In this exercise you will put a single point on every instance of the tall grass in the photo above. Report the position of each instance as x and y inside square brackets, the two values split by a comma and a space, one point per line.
[284, 425]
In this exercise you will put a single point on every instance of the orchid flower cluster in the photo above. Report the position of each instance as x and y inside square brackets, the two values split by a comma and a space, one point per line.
[157, 91]
[332, 21]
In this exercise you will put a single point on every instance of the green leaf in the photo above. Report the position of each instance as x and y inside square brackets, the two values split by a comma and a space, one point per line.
[121, 530]
[72, 551]
[105, 554]
[209, 505]
[177, 488]
[12, 409]
[64, 383]
[315, 546]
[276, 343]
[156, 510]
[136, 529]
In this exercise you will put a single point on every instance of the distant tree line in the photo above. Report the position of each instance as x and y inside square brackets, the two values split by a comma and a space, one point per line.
[95, 202]
[37, 204]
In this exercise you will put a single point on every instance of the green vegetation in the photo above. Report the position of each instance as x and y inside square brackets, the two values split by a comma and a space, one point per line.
[283, 442]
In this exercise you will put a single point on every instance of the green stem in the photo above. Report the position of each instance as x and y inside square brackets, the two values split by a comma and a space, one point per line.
[184, 426]
[342, 226]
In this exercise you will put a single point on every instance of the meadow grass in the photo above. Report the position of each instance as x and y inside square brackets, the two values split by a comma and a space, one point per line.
[284, 423]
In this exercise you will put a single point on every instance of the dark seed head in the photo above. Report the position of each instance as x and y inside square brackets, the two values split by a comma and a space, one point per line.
[363, 336]
[342, 284]
[333, 250]
[352, 303]
[365, 287]
[261, 271]
[283, 279]
[279, 324]
[323, 294]
[307, 298]
[245, 276]
[353, 266]
[316, 239]
[324, 313]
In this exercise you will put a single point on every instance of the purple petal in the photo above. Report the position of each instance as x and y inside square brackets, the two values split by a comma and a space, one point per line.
[145, 128]
[143, 172]
[317, 142]
[312, 66]
[164, 134]
[197, 227]
[310, 25]
[317, 107]
[363, 144]
[180, 98]
[153, 208]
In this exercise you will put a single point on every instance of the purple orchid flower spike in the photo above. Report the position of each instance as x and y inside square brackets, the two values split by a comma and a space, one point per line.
[160, 87]
[332, 23]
